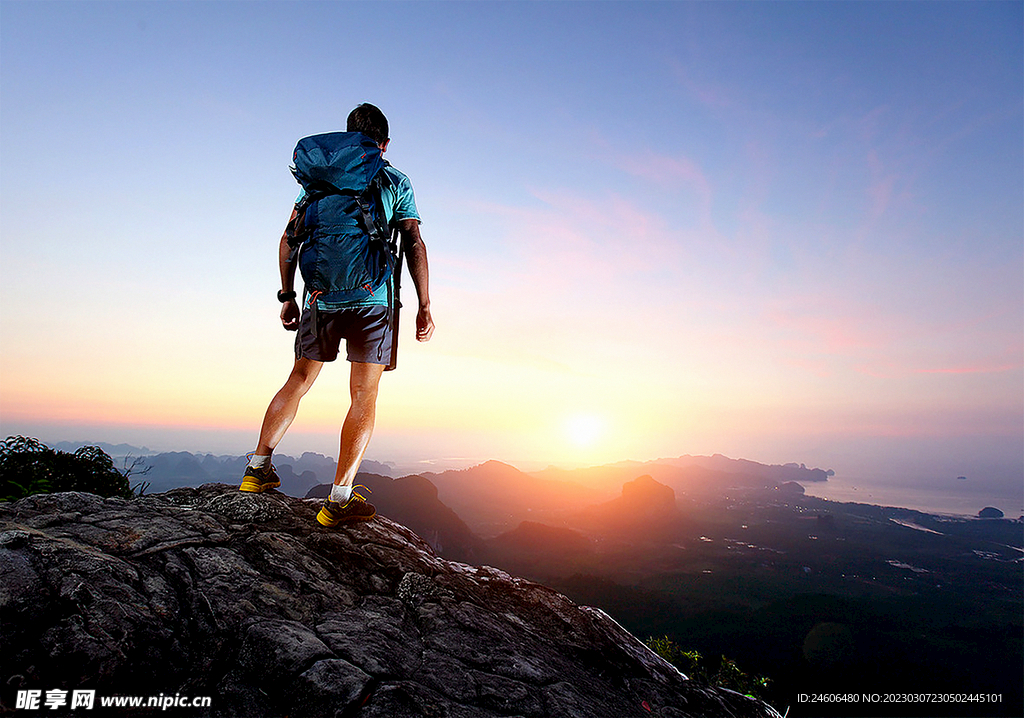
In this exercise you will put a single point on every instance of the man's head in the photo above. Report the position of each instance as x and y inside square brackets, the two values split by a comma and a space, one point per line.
[370, 121]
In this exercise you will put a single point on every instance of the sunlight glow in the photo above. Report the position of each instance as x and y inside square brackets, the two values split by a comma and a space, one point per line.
[584, 430]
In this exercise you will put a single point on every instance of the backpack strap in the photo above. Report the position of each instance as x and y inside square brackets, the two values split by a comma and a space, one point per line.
[373, 223]
[394, 298]
[298, 228]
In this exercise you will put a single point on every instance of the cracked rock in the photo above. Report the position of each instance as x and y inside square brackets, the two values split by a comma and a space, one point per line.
[246, 599]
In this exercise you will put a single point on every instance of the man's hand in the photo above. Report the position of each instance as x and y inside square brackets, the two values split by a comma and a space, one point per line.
[290, 315]
[424, 325]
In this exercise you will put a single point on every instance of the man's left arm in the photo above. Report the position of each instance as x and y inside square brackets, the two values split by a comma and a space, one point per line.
[286, 263]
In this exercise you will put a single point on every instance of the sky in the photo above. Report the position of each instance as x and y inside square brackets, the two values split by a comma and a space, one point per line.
[781, 231]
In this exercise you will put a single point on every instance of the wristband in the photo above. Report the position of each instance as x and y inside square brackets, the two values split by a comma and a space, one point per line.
[284, 296]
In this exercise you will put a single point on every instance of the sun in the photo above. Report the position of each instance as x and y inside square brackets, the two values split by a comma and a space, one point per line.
[585, 430]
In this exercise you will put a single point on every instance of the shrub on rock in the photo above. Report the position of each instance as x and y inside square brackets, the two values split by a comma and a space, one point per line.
[29, 467]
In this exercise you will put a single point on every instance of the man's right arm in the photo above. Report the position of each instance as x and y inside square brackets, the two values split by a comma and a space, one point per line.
[286, 263]
[416, 251]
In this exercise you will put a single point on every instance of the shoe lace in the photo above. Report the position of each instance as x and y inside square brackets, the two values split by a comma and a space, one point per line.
[357, 494]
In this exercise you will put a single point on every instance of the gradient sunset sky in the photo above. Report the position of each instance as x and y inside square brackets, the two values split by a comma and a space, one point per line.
[778, 231]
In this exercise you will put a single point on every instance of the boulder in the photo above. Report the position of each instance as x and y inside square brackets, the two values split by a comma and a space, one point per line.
[246, 599]
[990, 512]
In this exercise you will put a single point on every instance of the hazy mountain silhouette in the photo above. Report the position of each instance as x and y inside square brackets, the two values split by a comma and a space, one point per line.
[689, 475]
[540, 538]
[774, 473]
[541, 550]
[112, 450]
[646, 510]
[176, 469]
[493, 497]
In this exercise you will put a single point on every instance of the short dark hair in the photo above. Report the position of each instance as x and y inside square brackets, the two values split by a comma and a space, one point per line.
[370, 121]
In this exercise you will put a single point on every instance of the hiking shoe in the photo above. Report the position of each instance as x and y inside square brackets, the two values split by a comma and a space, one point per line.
[356, 508]
[259, 480]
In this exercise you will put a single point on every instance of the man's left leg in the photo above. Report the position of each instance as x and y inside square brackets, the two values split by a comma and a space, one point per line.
[259, 474]
[356, 431]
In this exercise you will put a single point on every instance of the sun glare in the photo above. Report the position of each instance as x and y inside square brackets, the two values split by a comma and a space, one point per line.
[584, 430]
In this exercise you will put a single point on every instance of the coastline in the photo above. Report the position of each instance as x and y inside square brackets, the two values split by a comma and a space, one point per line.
[943, 501]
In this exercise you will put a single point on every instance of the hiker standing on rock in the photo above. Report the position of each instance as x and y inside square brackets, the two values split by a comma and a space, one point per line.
[342, 235]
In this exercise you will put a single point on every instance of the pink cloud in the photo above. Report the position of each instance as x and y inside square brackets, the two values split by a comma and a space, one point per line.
[869, 124]
[832, 329]
[899, 362]
[972, 369]
[609, 235]
[666, 170]
[706, 93]
[672, 172]
[590, 244]
[880, 191]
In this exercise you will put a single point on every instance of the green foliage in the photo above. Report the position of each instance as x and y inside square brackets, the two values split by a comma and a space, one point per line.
[725, 674]
[686, 661]
[29, 467]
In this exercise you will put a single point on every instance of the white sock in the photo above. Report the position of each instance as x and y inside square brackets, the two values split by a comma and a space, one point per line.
[340, 493]
[258, 462]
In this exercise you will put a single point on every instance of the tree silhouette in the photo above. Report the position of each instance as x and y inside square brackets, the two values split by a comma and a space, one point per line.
[29, 467]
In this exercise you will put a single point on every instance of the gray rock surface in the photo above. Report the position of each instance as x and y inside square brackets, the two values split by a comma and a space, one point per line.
[245, 598]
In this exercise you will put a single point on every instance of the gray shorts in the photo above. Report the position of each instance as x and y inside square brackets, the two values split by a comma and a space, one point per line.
[366, 331]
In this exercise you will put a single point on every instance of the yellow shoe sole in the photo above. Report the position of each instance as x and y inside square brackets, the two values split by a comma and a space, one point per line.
[326, 520]
[256, 488]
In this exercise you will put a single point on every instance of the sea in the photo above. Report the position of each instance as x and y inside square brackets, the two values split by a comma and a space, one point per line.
[961, 498]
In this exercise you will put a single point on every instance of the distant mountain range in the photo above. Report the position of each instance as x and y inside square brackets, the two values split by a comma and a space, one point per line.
[174, 469]
[692, 473]
[116, 451]
[492, 497]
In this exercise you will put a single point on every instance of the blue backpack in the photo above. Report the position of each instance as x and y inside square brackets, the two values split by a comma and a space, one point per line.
[345, 249]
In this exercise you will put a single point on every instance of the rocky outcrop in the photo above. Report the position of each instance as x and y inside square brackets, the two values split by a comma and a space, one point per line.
[646, 494]
[245, 598]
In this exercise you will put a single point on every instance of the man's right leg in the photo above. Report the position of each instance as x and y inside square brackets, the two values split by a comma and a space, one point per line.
[260, 475]
[344, 504]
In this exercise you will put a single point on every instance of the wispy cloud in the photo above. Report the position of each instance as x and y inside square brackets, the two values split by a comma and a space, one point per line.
[880, 190]
[706, 92]
[828, 325]
[674, 172]
[974, 369]
[603, 237]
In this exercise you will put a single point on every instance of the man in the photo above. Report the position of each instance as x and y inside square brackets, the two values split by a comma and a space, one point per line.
[365, 326]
